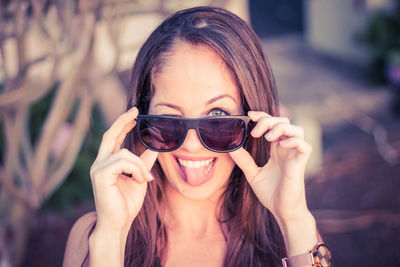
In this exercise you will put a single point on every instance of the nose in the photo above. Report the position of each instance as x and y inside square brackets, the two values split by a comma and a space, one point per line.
[192, 142]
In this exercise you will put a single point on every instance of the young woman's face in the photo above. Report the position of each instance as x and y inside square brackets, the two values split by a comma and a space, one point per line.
[195, 82]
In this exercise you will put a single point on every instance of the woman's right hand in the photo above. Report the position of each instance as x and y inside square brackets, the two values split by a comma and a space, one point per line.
[119, 198]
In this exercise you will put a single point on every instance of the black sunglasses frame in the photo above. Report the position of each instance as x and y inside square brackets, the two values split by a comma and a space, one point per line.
[193, 123]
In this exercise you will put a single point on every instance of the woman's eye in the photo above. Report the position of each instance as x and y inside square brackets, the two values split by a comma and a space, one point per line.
[218, 112]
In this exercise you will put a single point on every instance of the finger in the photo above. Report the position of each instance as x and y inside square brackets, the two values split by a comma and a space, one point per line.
[149, 158]
[298, 143]
[284, 129]
[264, 124]
[120, 139]
[245, 162]
[257, 115]
[135, 172]
[109, 174]
[128, 155]
[113, 134]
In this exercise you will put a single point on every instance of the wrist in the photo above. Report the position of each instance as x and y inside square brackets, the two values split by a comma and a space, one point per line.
[304, 218]
[100, 233]
[300, 234]
[110, 242]
[101, 236]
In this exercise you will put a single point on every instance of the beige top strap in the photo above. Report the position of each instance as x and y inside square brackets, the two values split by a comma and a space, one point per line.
[77, 248]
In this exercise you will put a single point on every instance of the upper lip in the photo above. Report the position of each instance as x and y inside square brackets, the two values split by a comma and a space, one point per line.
[193, 158]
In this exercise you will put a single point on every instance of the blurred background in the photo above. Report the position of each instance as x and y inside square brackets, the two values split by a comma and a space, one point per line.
[64, 72]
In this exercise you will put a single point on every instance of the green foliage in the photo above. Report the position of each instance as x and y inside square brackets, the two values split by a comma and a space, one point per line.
[38, 112]
[382, 37]
[2, 145]
[77, 187]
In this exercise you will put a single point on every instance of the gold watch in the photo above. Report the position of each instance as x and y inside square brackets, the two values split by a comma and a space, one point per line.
[319, 256]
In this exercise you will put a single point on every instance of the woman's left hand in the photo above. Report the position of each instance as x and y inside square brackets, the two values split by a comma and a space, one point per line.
[279, 184]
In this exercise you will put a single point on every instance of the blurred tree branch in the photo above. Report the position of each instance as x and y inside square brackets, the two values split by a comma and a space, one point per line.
[30, 173]
[67, 161]
[47, 49]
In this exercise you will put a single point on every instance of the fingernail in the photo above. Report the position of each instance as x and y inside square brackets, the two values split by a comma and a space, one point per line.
[268, 135]
[254, 131]
[150, 177]
[251, 113]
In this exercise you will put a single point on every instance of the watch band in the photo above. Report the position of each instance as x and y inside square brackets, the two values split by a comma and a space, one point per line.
[305, 259]
[319, 256]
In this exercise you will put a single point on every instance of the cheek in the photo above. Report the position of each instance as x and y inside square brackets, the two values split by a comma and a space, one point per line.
[166, 161]
[226, 165]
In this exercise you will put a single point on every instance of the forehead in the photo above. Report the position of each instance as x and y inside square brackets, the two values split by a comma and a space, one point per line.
[191, 75]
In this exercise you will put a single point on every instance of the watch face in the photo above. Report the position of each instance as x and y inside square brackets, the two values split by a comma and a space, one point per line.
[322, 256]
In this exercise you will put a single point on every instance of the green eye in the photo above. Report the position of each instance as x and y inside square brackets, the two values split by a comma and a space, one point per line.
[218, 112]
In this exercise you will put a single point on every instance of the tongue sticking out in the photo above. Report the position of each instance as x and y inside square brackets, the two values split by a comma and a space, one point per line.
[197, 176]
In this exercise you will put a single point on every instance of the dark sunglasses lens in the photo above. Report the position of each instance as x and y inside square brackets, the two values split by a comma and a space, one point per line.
[161, 133]
[222, 134]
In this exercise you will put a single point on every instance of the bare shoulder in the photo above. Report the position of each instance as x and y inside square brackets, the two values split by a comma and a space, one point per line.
[78, 240]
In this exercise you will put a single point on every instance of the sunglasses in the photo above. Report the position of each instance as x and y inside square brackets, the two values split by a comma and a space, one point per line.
[167, 133]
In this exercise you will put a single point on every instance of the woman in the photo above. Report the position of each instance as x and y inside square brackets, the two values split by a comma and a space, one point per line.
[223, 190]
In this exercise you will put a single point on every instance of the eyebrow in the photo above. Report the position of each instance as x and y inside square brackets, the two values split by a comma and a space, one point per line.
[212, 100]
[170, 106]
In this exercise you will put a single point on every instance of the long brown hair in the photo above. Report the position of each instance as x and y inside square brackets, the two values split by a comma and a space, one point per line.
[252, 235]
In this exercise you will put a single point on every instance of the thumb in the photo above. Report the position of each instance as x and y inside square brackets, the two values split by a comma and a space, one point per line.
[149, 157]
[245, 162]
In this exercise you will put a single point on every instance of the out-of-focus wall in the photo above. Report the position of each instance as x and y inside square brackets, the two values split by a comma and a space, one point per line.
[331, 25]
[135, 28]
